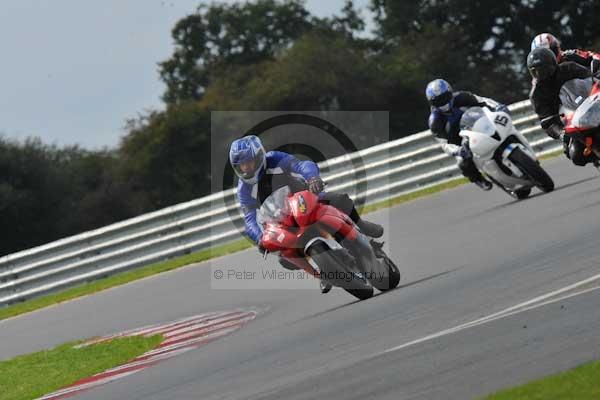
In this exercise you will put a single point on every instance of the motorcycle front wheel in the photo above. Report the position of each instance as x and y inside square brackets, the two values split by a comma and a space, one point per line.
[337, 272]
[532, 169]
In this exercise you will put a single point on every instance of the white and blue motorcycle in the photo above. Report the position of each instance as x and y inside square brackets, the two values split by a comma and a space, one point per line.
[501, 152]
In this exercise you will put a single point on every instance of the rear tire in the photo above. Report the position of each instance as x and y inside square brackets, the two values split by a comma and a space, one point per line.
[532, 169]
[330, 265]
[394, 274]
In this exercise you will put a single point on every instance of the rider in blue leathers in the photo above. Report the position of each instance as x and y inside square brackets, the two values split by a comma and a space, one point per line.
[261, 173]
[447, 108]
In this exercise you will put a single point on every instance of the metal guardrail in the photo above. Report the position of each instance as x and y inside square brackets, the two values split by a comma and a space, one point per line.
[390, 169]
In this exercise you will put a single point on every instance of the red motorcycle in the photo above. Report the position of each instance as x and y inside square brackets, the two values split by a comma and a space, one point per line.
[325, 242]
[580, 100]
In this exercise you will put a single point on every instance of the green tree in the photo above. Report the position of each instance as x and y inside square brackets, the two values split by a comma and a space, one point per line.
[500, 31]
[222, 35]
[166, 155]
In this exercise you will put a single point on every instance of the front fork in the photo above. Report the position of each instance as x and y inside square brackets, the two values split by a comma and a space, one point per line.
[306, 263]
[303, 263]
[589, 142]
[362, 250]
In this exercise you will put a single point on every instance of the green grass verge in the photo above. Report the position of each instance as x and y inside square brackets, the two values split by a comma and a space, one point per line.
[34, 375]
[126, 277]
[581, 383]
[413, 196]
[551, 155]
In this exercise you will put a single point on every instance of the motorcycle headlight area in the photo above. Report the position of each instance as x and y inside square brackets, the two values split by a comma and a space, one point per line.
[484, 125]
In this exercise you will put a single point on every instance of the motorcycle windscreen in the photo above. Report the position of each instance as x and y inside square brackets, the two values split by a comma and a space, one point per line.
[574, 92]
[275, 209]
[475, 119]
[588, 114]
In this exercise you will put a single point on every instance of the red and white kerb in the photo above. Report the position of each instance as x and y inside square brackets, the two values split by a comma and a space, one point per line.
[179, 337]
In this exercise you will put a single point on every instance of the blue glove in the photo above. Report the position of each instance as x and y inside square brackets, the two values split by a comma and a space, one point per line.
[503, 108]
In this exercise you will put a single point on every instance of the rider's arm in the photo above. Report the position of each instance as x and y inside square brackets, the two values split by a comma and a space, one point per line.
[253, 230]
[547, 108]
[289, 163]
[249, 205]
[492, 104]
[544, 106]
[546, 102]
[581, 57]
[471, 100]
[437, 125]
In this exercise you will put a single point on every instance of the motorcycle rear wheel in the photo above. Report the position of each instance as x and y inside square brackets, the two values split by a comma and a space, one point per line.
[393, 274]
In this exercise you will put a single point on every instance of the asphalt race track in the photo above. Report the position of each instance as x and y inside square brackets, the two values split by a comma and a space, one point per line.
[495, 293]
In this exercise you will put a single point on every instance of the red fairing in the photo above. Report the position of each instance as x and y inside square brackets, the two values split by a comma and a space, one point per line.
[336, 221]
[570, 129]
[595, 88]
[277, 238]
[303, 205]
[307, 211]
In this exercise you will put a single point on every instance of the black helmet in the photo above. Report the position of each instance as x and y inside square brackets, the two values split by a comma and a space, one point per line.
[541, 63]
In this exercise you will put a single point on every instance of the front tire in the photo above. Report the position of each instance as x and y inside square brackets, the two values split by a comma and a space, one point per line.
[522, 193]
[532, 169]
[332, 265]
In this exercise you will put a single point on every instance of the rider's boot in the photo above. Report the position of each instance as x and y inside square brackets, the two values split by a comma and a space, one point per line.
[484, 184]
[370, 228]
[469, 170]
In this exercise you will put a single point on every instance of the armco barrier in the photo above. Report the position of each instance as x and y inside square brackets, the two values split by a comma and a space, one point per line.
[397, 167]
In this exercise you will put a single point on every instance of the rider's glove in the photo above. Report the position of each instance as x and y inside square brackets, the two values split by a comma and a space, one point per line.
[503, 108]
[316, 185]
[555, 131]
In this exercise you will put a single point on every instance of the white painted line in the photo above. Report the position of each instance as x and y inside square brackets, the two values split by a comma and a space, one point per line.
[519, 308]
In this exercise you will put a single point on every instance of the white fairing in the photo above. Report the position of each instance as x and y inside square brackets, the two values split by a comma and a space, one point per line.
[487, 130]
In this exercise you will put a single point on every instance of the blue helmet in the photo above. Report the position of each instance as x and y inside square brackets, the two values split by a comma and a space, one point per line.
[439, 95]
[248, 158]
